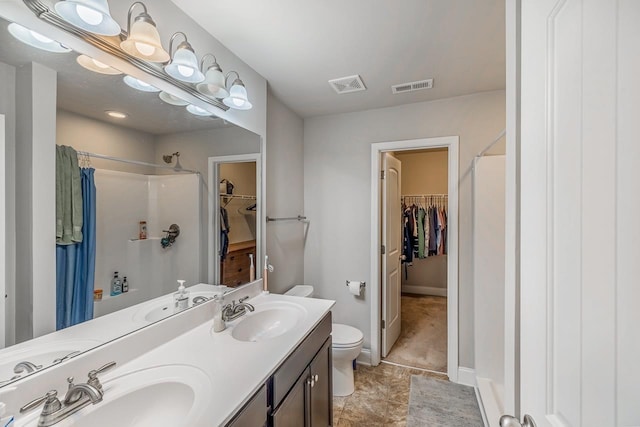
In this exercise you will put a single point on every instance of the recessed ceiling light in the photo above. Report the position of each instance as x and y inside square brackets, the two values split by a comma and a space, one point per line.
[116, 114]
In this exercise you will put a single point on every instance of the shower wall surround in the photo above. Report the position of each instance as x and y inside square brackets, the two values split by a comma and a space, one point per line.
[151, 271]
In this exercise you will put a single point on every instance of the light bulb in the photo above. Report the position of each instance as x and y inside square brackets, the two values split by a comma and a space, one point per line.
[99, 64]
[90, 16]
[238, 102]
[145, 49]
[40, 37]
[185, 71]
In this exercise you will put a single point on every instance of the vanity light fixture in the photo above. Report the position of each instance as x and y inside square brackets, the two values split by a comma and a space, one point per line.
[197, 111]
[90, 15]
[96, 66]
[139, 84]
[184, 63]
[173, 100]
[35, 39]
[116, 114]
[213, 84]
[143, 39]
[237, 98]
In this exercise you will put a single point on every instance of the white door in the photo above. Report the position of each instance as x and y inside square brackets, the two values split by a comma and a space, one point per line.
[580, 212]
[392, 241]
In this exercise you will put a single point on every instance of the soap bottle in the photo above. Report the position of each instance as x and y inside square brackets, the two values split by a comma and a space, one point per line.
[5, 420]
[181, 297]
[125, 285]
[218, 323]
[116, 285]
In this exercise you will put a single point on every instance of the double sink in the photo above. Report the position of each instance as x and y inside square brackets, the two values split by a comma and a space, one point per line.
[176, 394]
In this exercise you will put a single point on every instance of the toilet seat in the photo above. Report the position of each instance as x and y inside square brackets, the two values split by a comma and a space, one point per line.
[345, 336]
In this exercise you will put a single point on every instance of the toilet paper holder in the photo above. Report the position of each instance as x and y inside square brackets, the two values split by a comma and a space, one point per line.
[362, 284]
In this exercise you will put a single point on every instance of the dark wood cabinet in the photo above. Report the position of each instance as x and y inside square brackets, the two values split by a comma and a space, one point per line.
[254, 413]
[302, 393]
[234, 270]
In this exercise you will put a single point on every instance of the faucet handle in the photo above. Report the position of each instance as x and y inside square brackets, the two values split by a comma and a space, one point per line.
[50, 400]
[244, 299]
[93, 375]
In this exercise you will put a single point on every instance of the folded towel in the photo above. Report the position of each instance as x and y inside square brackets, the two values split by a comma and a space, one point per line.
[68, 197]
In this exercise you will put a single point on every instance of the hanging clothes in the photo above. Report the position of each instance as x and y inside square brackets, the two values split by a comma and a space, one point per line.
[224, 233]
[421, 215]
[407, 245]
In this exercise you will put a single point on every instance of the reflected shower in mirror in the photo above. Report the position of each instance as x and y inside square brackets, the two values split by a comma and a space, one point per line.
[120, 205]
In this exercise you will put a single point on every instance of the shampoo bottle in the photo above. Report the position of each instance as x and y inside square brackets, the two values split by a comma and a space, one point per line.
[125, 285]
[116, 285]
[181, 297]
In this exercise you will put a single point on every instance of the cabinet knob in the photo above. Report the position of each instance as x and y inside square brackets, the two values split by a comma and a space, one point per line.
[316, 377]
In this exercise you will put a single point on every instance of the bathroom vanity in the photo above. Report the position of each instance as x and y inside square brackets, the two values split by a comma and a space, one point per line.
[271, 366]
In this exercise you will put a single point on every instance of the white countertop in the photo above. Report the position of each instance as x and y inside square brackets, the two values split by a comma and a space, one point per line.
[235, 368]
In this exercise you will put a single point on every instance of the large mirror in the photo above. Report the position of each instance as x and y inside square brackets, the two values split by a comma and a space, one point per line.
[136, 209]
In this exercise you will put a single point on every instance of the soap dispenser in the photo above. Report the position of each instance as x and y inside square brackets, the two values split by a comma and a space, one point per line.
[218, 324]
[181, 297]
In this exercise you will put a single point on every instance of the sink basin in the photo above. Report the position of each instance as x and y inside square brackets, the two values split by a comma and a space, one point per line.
[172, 395]
[153, 312]
[268, 321]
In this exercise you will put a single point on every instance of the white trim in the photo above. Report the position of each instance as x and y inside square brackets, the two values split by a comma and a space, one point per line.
[489, 402]
[364, 358]
[451, 143]
[213, 268]
[483, 413]
[424, 290]
[467, 376]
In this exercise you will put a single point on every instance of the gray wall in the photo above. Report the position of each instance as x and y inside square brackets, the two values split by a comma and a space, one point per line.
[8, 108]
[337, 189]
[285, 178]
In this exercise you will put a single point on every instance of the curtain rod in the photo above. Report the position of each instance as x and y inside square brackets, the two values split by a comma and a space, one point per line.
[134, 162]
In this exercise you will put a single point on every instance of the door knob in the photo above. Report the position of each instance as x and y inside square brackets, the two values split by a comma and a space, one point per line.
[509, 421]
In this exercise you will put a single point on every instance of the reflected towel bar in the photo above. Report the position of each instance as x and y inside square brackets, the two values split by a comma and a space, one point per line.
[293, 218]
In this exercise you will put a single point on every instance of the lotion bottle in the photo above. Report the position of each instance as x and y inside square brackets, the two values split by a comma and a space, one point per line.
[116, 285]
[181, 297]
[218, 323]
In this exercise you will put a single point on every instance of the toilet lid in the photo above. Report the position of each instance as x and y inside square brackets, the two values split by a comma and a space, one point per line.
[345, 335]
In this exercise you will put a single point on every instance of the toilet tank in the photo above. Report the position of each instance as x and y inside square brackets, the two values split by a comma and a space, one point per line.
[300, 291]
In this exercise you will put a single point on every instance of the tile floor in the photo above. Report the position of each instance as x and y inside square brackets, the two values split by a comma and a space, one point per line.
[381, 397]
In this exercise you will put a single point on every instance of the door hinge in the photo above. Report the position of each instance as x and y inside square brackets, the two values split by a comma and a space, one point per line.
[381, 174]
[384, 324]
[383, 250]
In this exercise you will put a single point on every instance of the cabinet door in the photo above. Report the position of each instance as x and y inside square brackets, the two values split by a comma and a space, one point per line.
[291, 412]
[254, 413]
[320, 402]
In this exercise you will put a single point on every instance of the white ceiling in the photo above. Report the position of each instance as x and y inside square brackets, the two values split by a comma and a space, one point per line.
[299, 45]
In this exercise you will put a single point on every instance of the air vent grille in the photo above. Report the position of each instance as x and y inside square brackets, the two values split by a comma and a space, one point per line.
[348, 84]
[412, 86]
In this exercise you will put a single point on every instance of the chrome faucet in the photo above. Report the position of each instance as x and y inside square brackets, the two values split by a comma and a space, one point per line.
[26, 367]
[77, 397]
[233, 311]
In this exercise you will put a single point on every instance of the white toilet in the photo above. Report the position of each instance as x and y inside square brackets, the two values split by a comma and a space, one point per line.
[346, 346]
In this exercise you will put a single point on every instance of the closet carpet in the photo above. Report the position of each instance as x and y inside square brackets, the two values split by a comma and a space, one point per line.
[423, 339]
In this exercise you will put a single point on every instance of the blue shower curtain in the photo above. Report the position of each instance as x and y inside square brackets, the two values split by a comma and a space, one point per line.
[75, 264]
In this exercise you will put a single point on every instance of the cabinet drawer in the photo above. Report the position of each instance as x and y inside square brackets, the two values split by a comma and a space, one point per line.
[286, 376]
[254, 413]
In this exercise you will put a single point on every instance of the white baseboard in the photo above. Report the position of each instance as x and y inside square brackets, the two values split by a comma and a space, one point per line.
[364, 358]
[490, 401]
[467, 376]
[424, 290]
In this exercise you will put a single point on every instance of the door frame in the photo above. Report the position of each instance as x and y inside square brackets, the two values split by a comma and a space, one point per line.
[452, 144]
[213, 268]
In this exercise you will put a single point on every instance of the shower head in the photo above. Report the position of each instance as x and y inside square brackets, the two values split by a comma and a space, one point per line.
[168, 158]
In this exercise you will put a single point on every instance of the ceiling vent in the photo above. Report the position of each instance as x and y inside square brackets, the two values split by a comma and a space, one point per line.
[412, 86]
[348, 84]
